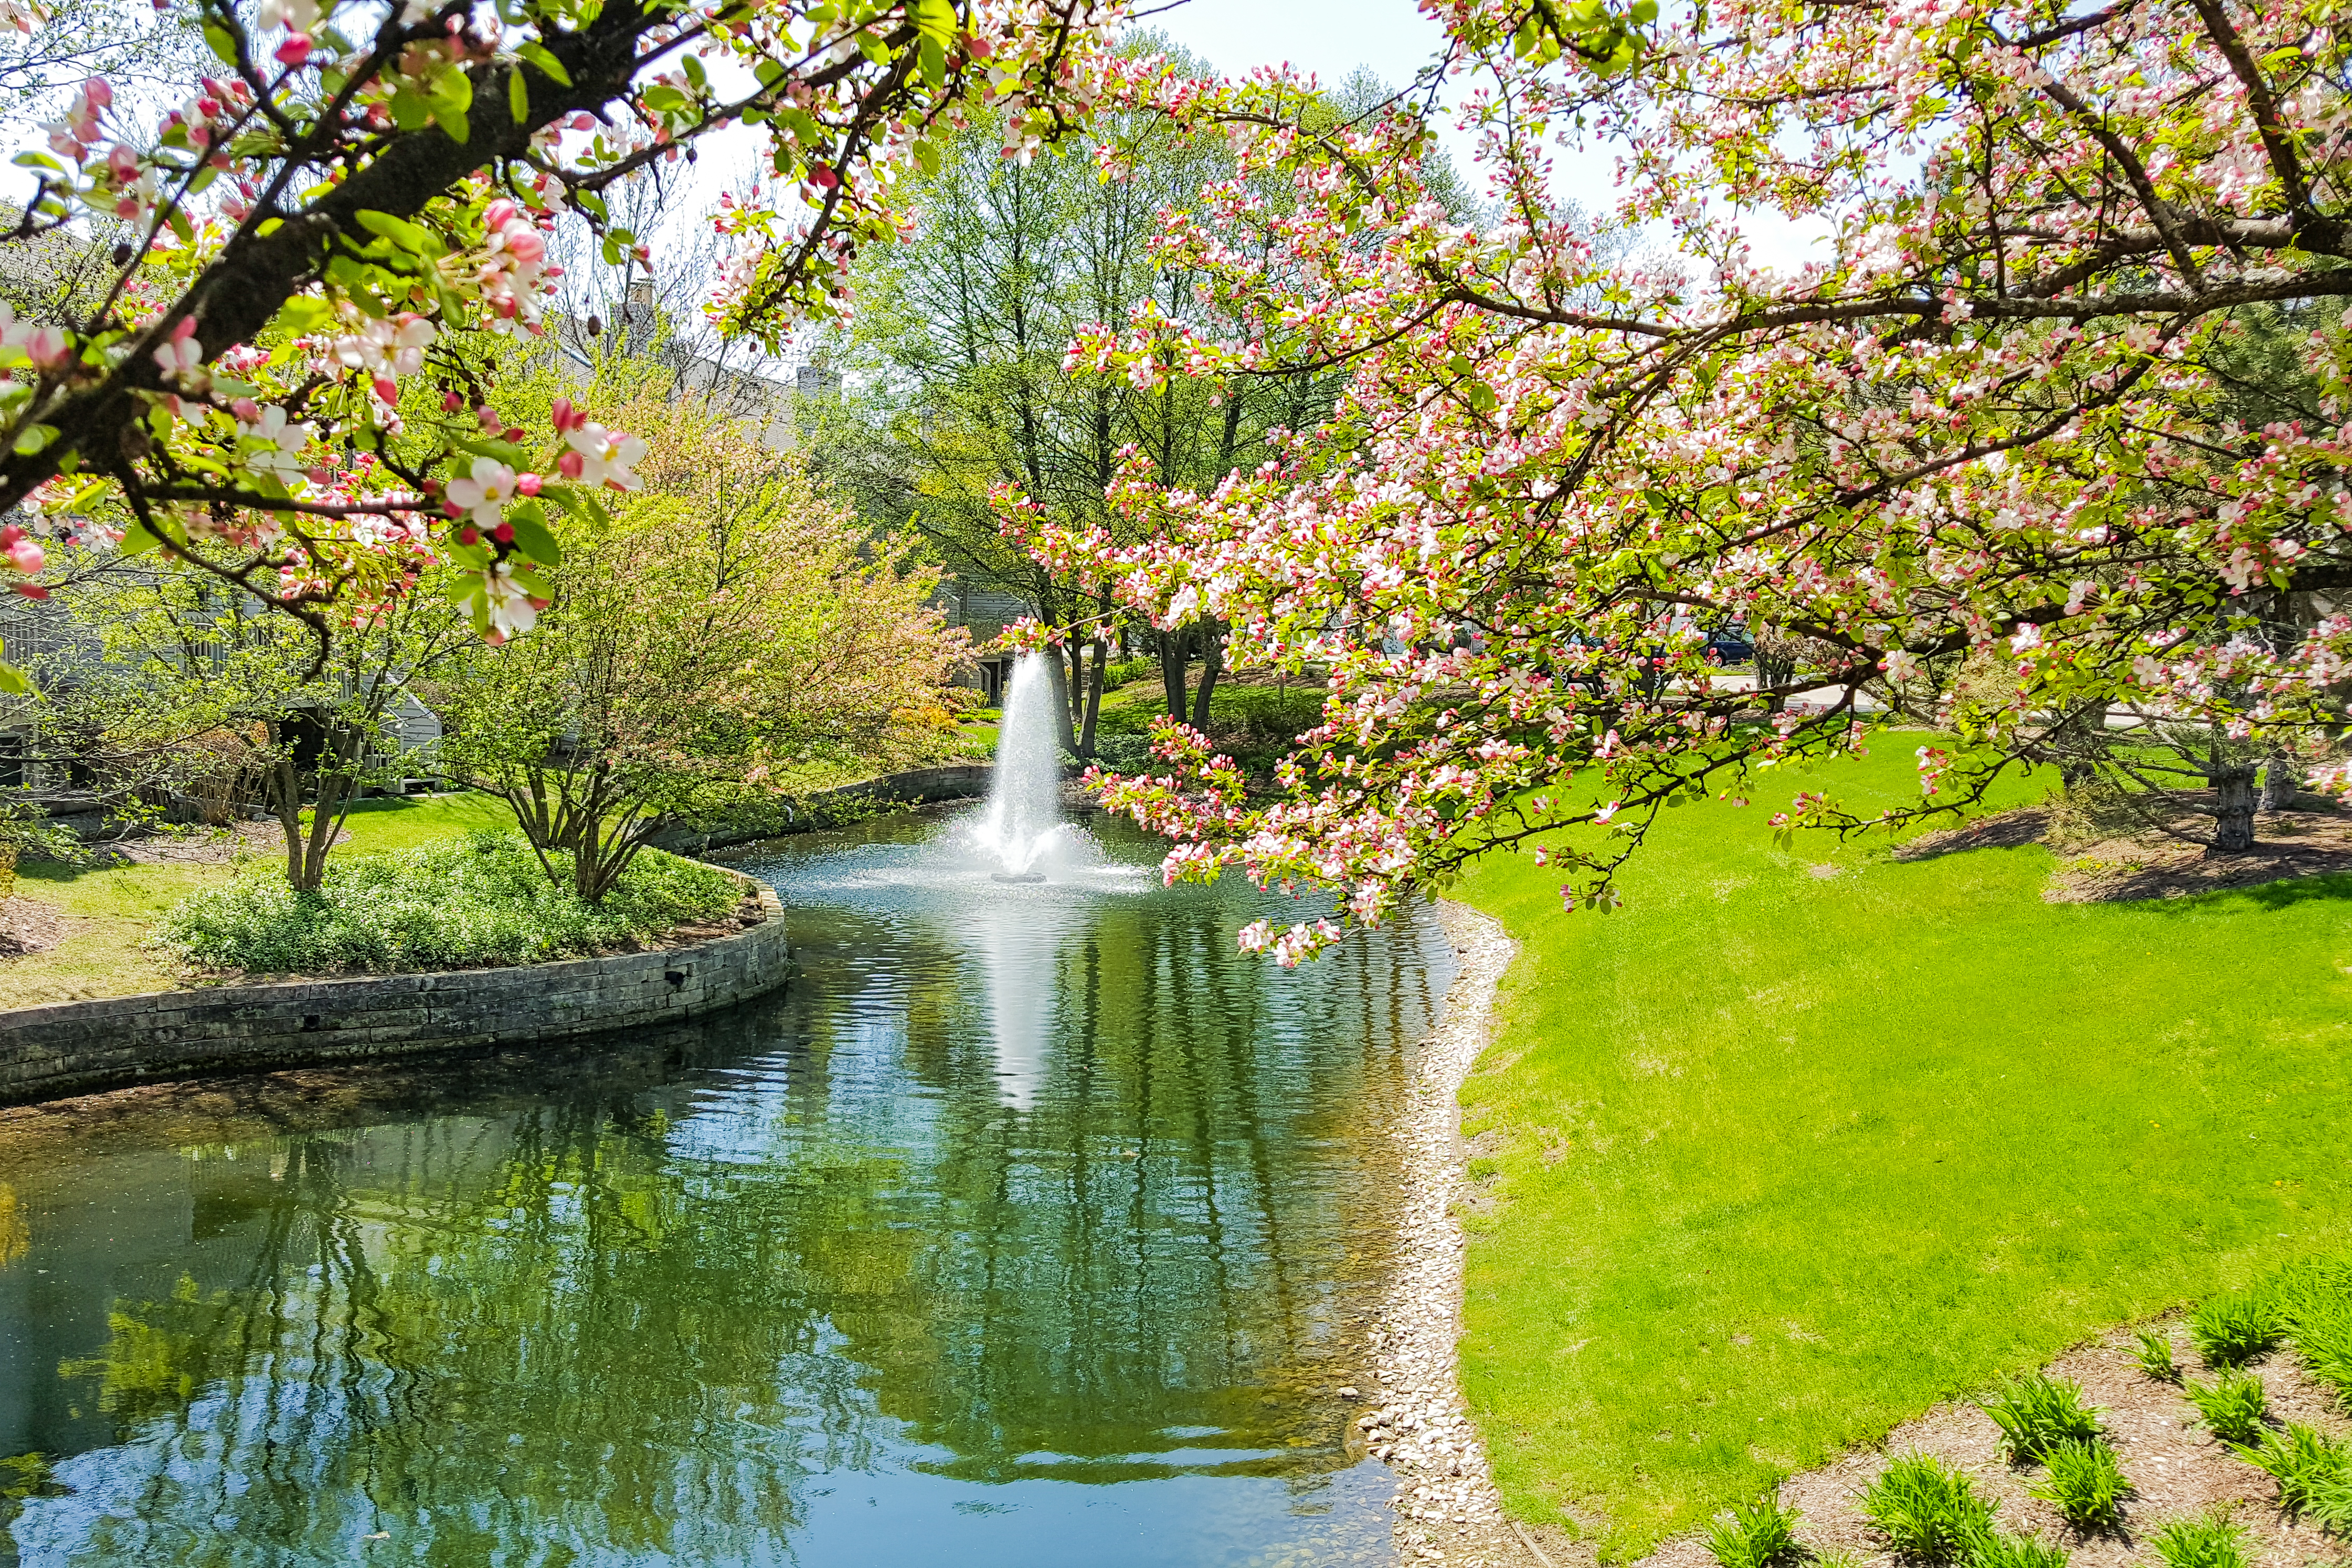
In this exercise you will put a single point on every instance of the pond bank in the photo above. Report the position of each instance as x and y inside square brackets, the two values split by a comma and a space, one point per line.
[1447, 1506]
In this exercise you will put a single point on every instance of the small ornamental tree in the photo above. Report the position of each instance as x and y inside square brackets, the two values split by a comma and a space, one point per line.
[306, 229]
[177, 679]
[728, 623]
[2003, 421]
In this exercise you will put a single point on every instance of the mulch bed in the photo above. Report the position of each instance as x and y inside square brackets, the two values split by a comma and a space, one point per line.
[27, 926]
[2176, 1468]
[2153, 864]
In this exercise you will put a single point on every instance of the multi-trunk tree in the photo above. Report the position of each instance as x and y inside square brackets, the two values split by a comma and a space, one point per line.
[2001, 418]
[730, 627]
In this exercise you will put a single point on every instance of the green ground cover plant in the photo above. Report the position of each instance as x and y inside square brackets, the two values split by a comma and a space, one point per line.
[1759, 1534]
[2085, 1480]
[2234, 1328]
[1925, 1508]
[2000, 1549]
[2313, 1472]
[2036, 1410]
[2153, 1351]
[2210, 1540]
[1800, 1142]
[476, 899]
[2231, 1405]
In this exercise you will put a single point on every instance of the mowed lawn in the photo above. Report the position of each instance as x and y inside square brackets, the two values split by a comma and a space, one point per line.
[1779, 1160]
[107, 912]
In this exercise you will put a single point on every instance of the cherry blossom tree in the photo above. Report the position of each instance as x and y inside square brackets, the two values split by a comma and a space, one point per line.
[2003, 416]
[314, 229]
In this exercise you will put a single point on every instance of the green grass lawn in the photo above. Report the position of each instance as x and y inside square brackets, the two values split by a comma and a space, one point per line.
[110, 909]
[1779, 1160]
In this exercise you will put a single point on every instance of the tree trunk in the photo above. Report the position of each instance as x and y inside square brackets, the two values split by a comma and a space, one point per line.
[1212, 664]
[2085, 732]
[1066, 733]
[1094, 700]
[2280, 779]
[1170, 646]
[2233, 809]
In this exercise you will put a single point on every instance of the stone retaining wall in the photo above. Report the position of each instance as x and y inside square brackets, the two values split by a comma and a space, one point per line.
[73, 1046]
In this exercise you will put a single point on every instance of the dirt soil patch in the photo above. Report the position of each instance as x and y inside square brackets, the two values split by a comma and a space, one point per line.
[2153, 864]
[2176, 1468]
[29, 926]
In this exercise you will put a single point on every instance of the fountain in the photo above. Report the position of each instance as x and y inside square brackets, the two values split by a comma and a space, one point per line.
[1024, 799]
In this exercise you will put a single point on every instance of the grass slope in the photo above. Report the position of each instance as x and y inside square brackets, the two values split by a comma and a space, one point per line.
[1781, 1160]
[110, 910]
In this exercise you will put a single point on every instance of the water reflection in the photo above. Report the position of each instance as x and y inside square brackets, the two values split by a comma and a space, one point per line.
[1031, 1227]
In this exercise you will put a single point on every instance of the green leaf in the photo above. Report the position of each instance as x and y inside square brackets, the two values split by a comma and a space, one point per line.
[401, 232]
[665, 100]
[531, 533]
[38, 161]
[552, 67]
[935, 21]
[579, 503]
[518, 98]
[33, 437]
[13, 681]
[872, 48]
[138, 540]
[223, 41]
[302, 314]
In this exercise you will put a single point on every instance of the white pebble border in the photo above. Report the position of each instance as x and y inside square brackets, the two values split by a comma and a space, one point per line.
[1446, 1508]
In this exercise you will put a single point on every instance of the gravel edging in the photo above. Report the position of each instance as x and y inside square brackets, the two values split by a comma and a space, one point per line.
[1447, 1506]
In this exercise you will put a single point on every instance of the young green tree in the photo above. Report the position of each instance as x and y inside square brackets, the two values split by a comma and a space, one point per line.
[731, 624]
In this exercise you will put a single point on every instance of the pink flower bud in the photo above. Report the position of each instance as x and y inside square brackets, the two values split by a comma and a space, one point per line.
[385, 390]
[496, 214]
[570, 464]
[294, 51]
[528, 485]
[524, 244]
[451, 403]
[122, 162]
[503, 532]
[246, 410]
[490, 419]
[96, 93]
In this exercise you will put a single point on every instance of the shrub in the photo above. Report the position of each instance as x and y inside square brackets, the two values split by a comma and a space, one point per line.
[2324, 1345]
[2232, 1330]
[2210, 1541]
[2035, 1411]
[1926, 1508]
[2153, 1351]
[1761, 1534]
[2231, 1405]
[2313, 1472]
[2086, 1483]
[473, 899]
[2002, 1549]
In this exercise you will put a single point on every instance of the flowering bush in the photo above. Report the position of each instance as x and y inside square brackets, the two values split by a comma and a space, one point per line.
[2066, 392]
[475, 900]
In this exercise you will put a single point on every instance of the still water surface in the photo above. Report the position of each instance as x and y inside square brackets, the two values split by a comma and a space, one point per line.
[1031, 1227]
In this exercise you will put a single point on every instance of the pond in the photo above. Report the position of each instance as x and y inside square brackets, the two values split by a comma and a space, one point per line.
[1031, 1226]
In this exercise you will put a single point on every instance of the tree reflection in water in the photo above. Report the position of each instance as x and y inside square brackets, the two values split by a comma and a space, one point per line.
[1032, 1224]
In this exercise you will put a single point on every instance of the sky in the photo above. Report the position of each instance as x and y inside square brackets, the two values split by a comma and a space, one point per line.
[1332, 38]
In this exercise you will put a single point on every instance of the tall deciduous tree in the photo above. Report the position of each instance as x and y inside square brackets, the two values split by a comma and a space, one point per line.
[961, 385]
